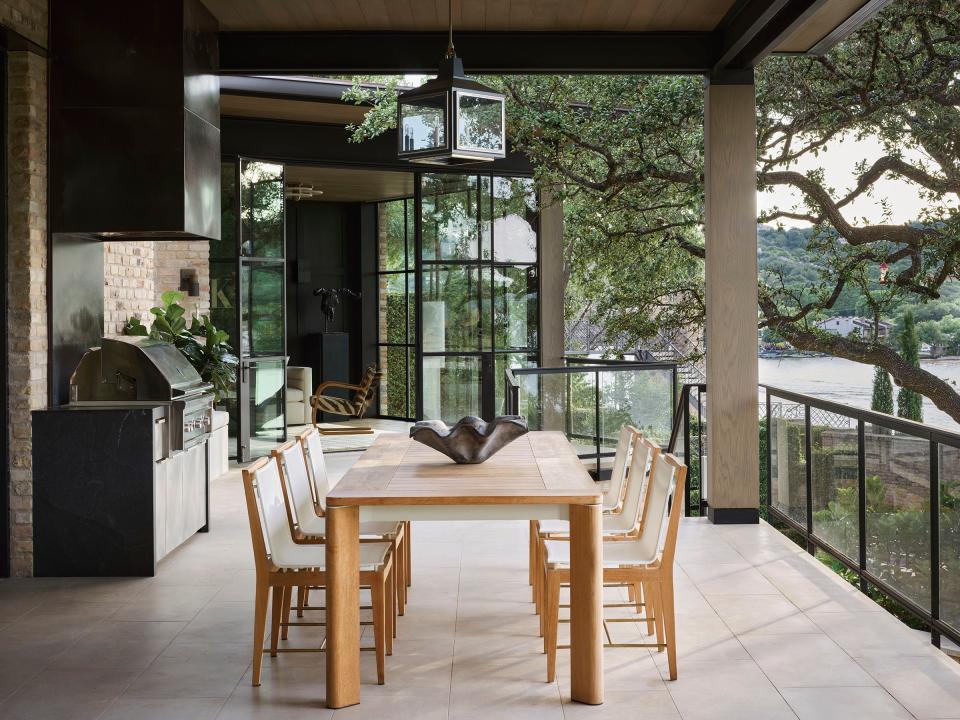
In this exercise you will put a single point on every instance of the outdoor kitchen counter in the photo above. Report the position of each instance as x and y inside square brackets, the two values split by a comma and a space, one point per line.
[109, 500]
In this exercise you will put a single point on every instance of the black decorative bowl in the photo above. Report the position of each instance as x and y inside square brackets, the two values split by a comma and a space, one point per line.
[470, 440]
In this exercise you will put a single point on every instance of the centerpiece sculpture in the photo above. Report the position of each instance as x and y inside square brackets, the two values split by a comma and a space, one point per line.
[470, 440]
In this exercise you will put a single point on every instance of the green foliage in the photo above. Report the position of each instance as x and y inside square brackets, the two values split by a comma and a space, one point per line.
[202, 344]
[882, 400]
[910, 403]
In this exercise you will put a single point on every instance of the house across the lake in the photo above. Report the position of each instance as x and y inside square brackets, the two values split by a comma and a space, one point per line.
[847, 326]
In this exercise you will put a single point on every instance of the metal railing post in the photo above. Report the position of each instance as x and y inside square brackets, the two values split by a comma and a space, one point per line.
[934, 540]
[808, 441]
[862, 502]
[685, 409]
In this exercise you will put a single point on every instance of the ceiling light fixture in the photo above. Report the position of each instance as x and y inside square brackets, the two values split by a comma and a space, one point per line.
[301, 191]
[451, 120]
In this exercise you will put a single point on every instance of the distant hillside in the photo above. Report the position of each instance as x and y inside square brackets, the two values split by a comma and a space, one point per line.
[785, 252]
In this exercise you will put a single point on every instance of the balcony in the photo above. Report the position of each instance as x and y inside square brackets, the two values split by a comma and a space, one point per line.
[764, 630]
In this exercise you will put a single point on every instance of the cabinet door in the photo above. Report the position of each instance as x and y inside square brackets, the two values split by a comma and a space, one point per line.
[195, 489]
[175, 532]
[160, 509]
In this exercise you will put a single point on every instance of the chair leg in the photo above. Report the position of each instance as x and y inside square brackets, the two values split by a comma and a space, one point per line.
[643, 605]
[541, 593]
[301, 600]
[669, 623]
[532, 553]
[552, 611]
[276, 615]
[538, 564]
[377, 602]
[400, 572]
[287, 602]
[407, 534]
[259, 627]
[654, 599]
[391, 610]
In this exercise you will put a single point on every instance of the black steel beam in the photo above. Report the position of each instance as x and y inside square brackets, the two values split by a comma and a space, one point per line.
[344, 53]
[759, 28]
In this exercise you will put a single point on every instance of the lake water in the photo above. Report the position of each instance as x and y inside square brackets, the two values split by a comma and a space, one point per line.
[851, 383]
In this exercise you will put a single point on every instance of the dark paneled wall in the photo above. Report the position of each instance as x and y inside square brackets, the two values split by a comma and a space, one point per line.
[323, 250]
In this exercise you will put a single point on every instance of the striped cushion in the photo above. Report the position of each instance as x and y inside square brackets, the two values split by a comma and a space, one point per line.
[331, 404]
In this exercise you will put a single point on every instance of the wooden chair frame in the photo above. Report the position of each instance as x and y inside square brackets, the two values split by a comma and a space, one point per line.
[281, 582]
[653, 581]
[359, 413]
[403, 552]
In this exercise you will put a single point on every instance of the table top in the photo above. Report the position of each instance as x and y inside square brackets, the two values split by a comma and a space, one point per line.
[536, 468]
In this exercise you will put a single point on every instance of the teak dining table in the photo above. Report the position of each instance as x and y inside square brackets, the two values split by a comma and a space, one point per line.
[538, 476]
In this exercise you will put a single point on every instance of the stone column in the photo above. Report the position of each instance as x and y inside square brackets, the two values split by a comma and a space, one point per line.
[730, 171]
[26, 286]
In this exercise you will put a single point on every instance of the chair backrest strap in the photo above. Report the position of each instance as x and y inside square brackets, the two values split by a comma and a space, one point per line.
[296, 482]
[313, 450]
[269, 524]
[621, 459]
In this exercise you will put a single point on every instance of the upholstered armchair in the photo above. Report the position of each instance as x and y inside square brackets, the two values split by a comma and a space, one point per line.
[299, 383]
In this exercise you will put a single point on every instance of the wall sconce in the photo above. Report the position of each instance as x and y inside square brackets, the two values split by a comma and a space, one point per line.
[189, 282]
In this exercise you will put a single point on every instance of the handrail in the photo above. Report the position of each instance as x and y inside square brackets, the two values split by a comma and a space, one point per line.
[585, 366]
[892, 422]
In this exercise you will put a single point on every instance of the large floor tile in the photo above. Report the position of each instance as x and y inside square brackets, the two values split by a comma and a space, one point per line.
[805, 661]
[929, 687]
[843, 703]
[162, 709]
[727, 691]
[761, 615]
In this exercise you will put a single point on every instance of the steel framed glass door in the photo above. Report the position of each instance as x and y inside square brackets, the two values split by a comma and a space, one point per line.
[247, 276]
[477, 288]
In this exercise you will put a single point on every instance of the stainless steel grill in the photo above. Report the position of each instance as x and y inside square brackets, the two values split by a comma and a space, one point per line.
[139, 370]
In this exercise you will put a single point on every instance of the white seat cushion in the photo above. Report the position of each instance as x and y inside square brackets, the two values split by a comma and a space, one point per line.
[380, 529]
[562, 528]
[294, 395]
[303, 557]
[623, 553]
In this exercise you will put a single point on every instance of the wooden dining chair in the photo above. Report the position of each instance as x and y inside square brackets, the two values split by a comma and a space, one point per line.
[282, 565]
[647, 560]
[625, 525]
[612, 496]
[308, 528]
[309, 440]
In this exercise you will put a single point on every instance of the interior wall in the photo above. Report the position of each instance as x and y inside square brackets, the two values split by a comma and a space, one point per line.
[137, 273]
[323, 250]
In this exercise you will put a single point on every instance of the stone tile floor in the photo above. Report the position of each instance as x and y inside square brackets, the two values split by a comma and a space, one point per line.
[764, 632]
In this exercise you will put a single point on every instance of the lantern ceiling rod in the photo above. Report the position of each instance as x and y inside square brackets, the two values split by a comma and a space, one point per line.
[450, 51]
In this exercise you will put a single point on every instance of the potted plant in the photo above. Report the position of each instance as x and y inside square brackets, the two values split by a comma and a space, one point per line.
[204, 346]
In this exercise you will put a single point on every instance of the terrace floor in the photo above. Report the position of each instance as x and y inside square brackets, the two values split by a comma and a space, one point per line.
[764, 631]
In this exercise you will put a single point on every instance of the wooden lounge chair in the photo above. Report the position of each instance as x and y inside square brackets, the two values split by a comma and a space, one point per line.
[356, 407]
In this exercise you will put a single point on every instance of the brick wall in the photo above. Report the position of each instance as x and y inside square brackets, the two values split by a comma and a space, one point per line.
[173, 256]
[26, 17]
[128, 283]
[27, 283]
[136, 274]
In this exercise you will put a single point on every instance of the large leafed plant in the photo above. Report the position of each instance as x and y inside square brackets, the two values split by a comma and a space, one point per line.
[201, 343]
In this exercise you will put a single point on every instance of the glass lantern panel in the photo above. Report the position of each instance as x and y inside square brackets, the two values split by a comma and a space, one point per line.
[479, 122]
[423, 123]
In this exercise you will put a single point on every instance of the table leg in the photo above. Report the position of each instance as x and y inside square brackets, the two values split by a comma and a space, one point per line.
[586, 604]
[343, 606]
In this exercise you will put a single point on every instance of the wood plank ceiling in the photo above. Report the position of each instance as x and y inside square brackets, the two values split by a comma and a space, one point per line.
[349, 185]
[492, 15]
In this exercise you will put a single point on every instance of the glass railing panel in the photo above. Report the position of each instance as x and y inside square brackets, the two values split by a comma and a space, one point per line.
[897, 470]
[834, 470]
[788, 461]
[643, 399]
[950, 535]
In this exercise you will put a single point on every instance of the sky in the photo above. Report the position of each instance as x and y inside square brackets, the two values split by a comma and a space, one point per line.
[839, 161]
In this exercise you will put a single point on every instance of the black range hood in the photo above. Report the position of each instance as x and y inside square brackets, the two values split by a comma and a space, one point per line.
[134, 120]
